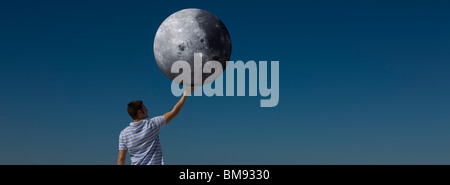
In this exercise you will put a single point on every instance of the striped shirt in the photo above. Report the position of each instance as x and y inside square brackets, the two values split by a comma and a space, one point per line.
[141, 139]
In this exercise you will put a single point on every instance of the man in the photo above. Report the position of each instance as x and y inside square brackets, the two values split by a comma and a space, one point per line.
[141, 138]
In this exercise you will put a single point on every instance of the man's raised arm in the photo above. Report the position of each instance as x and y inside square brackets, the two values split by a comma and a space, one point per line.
[177, 108]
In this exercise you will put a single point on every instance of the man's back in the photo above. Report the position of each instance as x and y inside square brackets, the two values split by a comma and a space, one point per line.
[141, 139]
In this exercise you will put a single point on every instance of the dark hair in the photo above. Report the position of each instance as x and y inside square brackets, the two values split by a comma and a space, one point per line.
[133, 108]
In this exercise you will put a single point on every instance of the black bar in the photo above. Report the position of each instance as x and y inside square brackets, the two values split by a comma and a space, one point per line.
[223, 174]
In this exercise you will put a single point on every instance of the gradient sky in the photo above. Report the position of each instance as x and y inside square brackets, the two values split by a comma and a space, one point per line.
[360, 83]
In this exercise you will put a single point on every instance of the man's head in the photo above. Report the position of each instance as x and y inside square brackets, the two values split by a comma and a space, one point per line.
[137, 110]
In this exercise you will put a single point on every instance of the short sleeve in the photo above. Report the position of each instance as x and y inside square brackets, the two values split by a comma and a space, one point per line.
[122, 145]
[159, 122]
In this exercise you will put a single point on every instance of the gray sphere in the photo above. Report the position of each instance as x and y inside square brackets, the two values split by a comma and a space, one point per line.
[190, 31]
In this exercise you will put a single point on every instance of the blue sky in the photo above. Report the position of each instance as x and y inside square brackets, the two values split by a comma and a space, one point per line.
[360, 83]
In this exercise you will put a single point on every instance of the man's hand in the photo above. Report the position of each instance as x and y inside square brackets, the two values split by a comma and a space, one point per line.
[189, 90]
[177, 108]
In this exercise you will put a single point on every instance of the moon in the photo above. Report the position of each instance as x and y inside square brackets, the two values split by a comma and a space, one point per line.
[190, 31]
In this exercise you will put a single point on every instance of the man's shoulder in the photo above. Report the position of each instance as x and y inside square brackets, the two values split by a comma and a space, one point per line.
[155, 118]
[125, 130]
